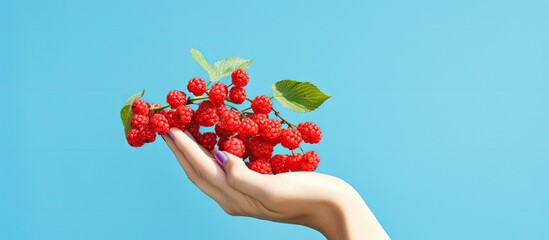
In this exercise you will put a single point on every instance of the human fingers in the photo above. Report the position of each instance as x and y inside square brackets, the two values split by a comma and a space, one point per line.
[198, 157]
[243, 179]
[202, 184]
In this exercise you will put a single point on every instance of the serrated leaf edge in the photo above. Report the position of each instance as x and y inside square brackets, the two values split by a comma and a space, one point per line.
[219, 73]
[295, 106]
[201, 60]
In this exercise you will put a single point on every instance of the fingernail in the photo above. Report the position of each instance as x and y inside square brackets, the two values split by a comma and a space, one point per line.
[170, 135]
[220, 157]
[163, 138]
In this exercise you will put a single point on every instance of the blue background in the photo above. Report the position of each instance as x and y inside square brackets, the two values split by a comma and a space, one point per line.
[438, 116]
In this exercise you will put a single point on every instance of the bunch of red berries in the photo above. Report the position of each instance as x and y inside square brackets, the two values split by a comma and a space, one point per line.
[212, 117]
[251, 135]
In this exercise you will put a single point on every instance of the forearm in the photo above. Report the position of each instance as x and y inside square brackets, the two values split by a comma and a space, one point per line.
[351, 219]
[360, 222]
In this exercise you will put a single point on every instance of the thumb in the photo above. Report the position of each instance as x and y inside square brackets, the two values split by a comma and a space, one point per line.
[240, 177]
[232, 164]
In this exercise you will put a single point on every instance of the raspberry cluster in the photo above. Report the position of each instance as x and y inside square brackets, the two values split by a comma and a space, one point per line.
[211, 115]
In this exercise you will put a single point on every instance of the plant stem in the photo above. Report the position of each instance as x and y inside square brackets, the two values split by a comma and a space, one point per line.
[160, 108]
[231, 106]
[191, 100]
[243, 110]
[283, 120]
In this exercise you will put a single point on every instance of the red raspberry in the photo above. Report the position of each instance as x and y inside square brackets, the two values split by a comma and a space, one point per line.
[234, 146]
[208, 140]
[147, 135]
[171, 115]
[206, 104]
[290, 138]
[248, 128]
[260, 148]
[262, 104]
[275, 141]
[176, 98]
[167, 114]
[194, 129]
[229, 121]
[206, 114]
[218, 93]
[139, 121]
[222, 133]
[310, 132]
[260, 165]
[160, 123]
[278, 164]
[260, 119]
[163, 112]
[133, 138]
[294, 162]
[240, 77]
[141, 107]
[244, 139]
[271, 130]
[197, 86]
[237, 94]
[184, 114]
[221, 108]
[310, 161]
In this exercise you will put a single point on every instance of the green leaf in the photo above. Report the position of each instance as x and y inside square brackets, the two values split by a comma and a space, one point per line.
[126, 111]
[298, 96]
[227, 66]
[221, 68]
[199, 58]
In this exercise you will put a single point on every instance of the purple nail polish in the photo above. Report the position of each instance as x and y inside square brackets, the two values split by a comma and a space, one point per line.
[220, 157]
[170, 135]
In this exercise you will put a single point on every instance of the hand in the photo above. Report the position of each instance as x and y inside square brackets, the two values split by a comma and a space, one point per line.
[315, 200]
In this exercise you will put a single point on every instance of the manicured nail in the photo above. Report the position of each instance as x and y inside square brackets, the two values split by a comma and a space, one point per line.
[220, 157]
[170, 135]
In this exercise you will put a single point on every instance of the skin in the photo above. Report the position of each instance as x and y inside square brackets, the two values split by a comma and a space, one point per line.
[322, 202]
